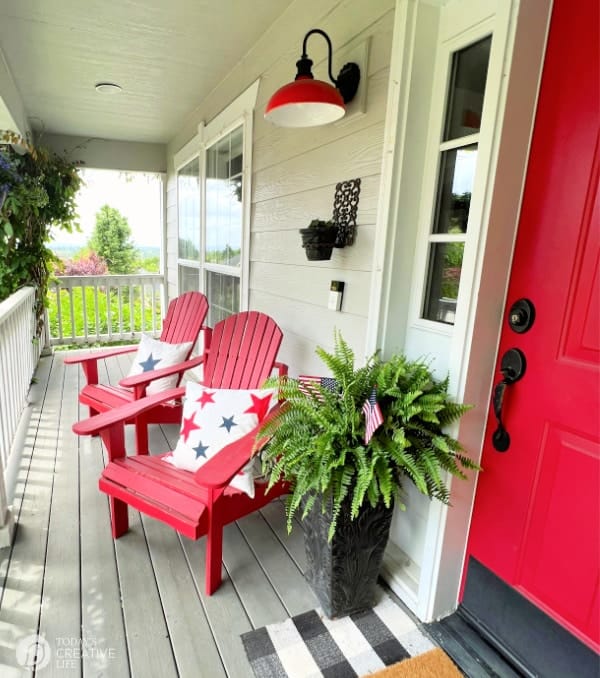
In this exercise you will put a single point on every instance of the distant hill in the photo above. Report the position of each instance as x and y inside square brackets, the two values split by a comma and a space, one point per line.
[68, 251]
[64, 251]
[148, 250]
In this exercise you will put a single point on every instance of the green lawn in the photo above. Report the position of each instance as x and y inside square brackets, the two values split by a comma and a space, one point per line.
[106, 308]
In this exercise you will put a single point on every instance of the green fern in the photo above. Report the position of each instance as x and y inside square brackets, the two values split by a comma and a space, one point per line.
[317, 439]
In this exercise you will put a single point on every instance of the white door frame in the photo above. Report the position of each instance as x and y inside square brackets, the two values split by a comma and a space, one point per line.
[522, 29]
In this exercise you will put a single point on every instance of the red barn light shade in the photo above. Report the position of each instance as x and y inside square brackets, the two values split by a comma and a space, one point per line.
[307, 102]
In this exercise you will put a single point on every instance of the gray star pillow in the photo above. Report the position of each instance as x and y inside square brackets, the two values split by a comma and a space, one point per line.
[153, 354]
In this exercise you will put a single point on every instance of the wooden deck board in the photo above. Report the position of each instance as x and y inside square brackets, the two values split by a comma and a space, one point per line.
[293, 543]
[22, 593]
[60, 620]
[225, 611]
[147, 633]
[101, 613]
[261, 602]
[283, 574]
[195, 650]
[150, 651]
[194, 647]
[19, 598]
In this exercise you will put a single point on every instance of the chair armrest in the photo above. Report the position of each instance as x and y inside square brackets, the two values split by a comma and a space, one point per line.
[144, 378]
[221, 469]
[89, 361]
[98, 355]
[99, 422]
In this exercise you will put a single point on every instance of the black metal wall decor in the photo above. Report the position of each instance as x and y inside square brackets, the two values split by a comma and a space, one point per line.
[345, 207]
[321, 237]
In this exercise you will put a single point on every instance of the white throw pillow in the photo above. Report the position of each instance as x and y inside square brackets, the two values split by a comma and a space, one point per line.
[153, 354]
[213, 418]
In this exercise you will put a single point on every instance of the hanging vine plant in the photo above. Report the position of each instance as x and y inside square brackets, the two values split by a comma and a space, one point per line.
[37, 192]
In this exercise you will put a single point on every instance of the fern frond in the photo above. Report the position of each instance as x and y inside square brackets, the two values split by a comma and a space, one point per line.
[316, 439]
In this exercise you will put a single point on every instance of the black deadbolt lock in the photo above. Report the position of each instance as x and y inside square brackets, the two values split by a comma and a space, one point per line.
[521, 315]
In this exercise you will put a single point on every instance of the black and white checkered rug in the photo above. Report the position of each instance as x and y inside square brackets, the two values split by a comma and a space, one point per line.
[312, 646]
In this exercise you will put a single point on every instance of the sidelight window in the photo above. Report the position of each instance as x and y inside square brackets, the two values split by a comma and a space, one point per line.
[457, 163]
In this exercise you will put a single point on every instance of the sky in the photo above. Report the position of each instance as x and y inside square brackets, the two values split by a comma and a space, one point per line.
[464, 170]
[137, 195]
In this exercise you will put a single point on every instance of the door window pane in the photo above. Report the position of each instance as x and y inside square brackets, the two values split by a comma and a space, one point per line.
[455, 185]
[466, 90]
[188, 210]
[223, 292]
[445, 264]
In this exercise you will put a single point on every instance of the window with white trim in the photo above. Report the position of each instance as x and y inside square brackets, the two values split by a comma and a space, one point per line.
[224, 224]
[213, 208]
[457, 161]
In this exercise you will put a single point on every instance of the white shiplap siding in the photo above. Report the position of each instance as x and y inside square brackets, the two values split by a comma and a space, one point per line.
[295, 172]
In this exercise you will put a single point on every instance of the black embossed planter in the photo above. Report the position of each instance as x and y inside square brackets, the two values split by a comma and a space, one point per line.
[318, 242]
[343, 573]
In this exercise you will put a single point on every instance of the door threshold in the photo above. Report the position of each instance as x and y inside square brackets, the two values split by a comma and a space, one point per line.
[524, 634]
[469, 650]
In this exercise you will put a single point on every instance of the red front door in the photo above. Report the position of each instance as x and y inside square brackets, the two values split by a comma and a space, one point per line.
[536, 515]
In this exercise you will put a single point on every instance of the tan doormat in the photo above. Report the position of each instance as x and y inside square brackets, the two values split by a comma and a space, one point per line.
[432, 664]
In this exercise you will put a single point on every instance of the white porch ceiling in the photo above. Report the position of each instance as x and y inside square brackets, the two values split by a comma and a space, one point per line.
[166, 54]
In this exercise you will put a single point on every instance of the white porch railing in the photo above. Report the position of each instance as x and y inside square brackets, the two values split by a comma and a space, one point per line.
[104, 308]
[19, 355]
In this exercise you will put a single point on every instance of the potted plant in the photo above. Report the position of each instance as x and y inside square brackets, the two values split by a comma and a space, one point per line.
[344, 476]
[319, 239]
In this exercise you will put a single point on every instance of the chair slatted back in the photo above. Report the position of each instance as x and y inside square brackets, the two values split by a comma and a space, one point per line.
[185, 316]
[243, 350]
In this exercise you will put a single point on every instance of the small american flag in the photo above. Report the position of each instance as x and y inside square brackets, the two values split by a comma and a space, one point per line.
[373, 416]
[309, 385]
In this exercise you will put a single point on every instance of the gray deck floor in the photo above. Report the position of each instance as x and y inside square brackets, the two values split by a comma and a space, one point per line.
[137, 605]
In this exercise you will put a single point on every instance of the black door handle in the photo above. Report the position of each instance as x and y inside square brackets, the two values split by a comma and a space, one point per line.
[512, 366]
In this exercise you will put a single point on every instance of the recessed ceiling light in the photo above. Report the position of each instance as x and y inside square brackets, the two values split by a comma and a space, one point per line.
[108, 87]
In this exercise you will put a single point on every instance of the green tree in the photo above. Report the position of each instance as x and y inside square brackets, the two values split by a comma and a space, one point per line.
[148, 264]
[37, 191]
[111, 239]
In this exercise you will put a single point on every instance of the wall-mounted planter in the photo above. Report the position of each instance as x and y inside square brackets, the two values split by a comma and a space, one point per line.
[321, 237]
[318, 240]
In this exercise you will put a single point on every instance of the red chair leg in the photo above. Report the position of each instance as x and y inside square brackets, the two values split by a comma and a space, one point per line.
[141, 436]
[90, 370]
[214, 556]
[119, 517]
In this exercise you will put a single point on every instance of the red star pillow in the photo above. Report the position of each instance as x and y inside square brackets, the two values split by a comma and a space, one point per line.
[153, 354]
[213, 418]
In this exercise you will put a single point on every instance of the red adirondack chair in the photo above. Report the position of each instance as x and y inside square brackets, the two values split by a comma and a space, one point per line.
[183, 322]
[242, 354]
